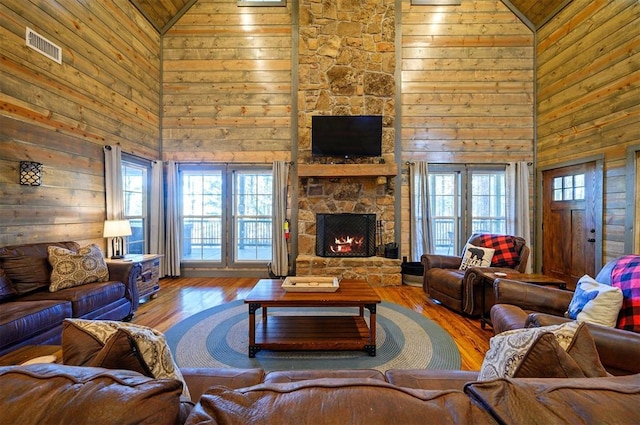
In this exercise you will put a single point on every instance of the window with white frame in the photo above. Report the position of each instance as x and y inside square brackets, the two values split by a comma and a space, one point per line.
[465, 200]
[135, 189]
[226, 214]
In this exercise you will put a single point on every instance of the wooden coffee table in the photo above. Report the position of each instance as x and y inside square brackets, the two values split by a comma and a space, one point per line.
[312, 332]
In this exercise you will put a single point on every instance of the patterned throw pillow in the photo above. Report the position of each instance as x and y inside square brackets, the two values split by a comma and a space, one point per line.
[626, 276]
[89, 343]
[508, 349]
[76, 268]
[595, 302]
[506, 254]
[476, 256]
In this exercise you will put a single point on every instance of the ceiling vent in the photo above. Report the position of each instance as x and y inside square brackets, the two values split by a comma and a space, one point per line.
[44, 46]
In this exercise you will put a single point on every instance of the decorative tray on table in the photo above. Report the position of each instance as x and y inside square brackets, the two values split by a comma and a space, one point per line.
[310, 284]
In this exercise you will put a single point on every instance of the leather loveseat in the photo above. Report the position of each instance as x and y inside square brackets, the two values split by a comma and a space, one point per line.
[523, 305]
[79, 395]
[30, 314]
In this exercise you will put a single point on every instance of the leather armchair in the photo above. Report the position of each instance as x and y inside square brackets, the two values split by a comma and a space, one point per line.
[460, 289]
[523, 305]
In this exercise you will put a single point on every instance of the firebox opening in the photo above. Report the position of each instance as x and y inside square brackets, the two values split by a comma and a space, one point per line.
[345, 235]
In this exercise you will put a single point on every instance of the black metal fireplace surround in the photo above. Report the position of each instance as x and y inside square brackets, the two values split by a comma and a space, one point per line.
[345, 235]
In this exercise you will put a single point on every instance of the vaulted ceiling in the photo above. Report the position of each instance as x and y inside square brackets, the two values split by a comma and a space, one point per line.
[164, 13]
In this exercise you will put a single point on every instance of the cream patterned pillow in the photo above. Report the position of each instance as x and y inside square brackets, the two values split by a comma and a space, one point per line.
[76, 268]
[150, 343]
[476, 256]
[507, 349]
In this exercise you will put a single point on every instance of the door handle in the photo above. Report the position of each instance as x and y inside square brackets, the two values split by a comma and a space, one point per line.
[591, 240]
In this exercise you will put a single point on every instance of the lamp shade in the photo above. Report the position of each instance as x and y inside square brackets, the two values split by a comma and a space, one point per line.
[115, 228]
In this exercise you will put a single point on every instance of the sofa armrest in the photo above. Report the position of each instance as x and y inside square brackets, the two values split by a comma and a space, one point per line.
[127, 273]
[616, 347]
[529, 296]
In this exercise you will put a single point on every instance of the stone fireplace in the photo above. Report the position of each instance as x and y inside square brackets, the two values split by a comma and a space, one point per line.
[346, 66]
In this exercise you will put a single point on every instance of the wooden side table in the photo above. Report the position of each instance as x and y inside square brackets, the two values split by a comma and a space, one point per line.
[29, 352]
[149, 279]
[488, 276]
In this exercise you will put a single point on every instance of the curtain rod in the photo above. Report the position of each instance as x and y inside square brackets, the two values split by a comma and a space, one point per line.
[108, 147]
[463, 163]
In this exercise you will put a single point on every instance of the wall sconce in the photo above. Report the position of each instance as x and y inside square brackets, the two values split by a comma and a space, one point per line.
[30, 173]
[381, 180]
[116, 229]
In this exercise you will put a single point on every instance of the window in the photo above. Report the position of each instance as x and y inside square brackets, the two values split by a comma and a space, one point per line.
[465, 200]
[568, 188]
[226, 215]
[135, 186]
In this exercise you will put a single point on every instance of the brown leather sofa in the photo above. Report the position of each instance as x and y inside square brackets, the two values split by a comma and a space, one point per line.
[521, 305]
[459, 289]
[31, 315]
[79, 395]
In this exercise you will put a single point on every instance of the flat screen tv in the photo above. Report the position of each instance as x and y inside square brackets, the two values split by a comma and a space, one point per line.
[346, 136]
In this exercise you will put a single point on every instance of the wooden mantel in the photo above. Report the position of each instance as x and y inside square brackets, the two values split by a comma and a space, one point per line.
[347, 170]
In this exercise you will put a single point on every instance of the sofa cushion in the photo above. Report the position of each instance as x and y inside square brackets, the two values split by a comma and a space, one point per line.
[84, 299]
[50, 393]
[83, 340]
[611, 400]
[28, 266]
[7, 291]
[508, 349]
[21, 320]
[506, 253]
[334, 401]
[626, 276]
[476, 256]
[74, 268]
[595, 303]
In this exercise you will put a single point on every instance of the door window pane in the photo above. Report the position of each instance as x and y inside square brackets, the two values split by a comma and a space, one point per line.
[252, 218]
[444, 202]
[488, 213]
[134, 189]
[202, 215]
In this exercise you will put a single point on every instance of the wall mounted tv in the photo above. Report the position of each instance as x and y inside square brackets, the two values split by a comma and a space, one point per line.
[346, 136]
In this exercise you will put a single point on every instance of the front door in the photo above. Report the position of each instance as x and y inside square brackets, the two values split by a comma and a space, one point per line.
[569, 219]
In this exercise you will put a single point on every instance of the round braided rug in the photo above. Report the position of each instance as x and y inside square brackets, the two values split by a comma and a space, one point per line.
[219, 337]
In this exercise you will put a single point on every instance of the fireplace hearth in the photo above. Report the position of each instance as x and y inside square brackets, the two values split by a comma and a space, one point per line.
[345, 235]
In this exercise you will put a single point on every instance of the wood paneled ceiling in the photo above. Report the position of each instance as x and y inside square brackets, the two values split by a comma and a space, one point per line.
[537, 12]
[162, 14]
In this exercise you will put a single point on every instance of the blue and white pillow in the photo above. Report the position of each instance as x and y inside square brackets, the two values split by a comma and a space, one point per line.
[595, 302]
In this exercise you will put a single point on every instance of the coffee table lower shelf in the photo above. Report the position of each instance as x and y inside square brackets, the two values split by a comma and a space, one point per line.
[309, 333]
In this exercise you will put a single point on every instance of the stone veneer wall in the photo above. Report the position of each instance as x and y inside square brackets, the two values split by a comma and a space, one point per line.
[346, 67]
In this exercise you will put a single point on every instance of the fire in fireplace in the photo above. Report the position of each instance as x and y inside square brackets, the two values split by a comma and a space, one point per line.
[345, 235]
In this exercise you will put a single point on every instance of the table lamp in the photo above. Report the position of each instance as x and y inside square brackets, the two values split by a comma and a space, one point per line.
[117, 229]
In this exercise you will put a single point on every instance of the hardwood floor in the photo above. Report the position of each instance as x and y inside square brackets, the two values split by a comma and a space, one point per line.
[182, 297]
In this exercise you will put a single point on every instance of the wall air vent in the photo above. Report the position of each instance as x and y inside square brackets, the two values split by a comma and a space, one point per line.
[44, 46]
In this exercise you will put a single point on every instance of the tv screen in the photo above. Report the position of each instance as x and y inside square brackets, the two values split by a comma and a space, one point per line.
[346, 136]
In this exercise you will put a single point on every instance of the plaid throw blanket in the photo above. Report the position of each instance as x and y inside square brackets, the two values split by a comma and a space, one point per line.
[626, 276]
[505, 246]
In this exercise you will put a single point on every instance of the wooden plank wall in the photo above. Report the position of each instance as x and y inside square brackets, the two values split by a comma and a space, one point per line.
[227, 73]
[467, 83]
[106, 91]
[589, 97]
